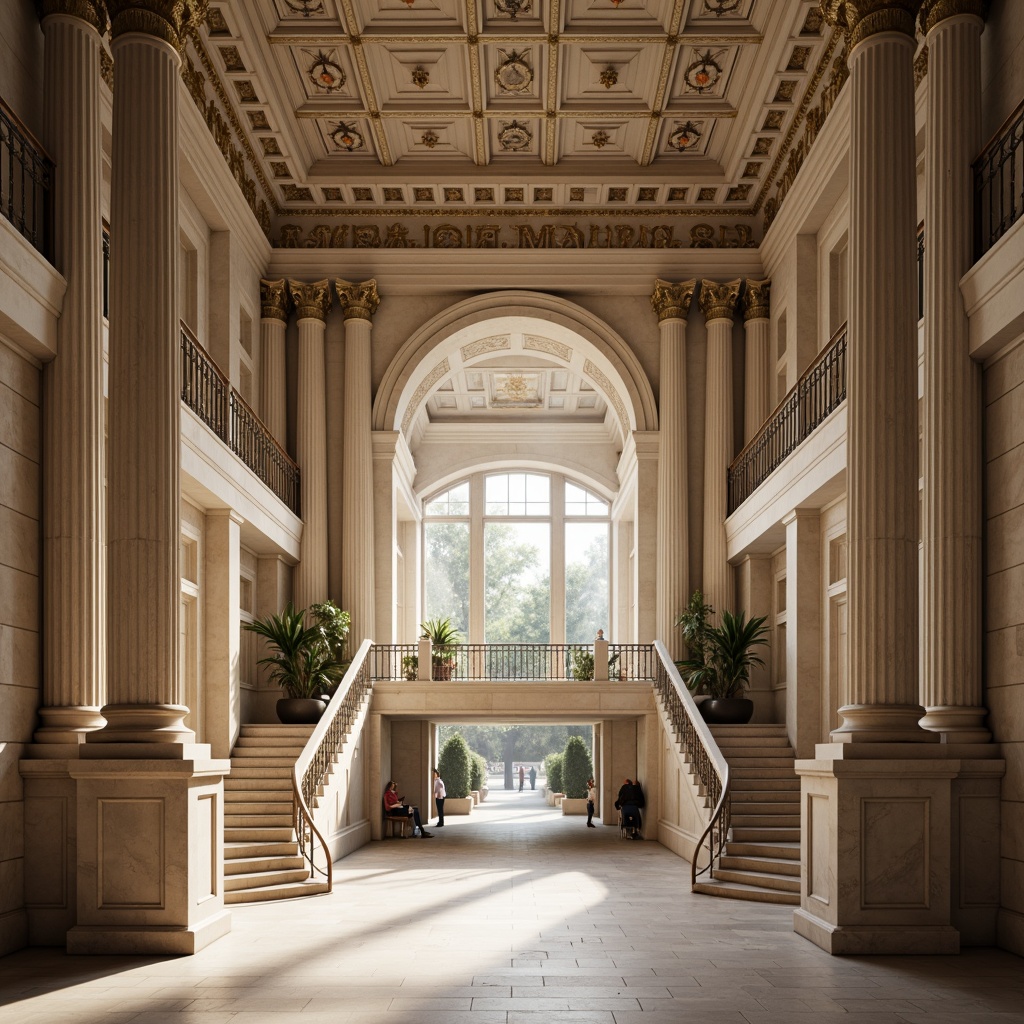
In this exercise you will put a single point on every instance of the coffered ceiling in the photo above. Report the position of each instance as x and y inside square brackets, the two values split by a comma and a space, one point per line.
[603, 106]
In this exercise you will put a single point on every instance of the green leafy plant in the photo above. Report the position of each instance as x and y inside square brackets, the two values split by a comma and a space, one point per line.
[477, 771]
[553, 766]
[300, 659]
[577, 768]
[410, 666]
[443, 637]
[581, 663]
[334, 624]
[454, 765]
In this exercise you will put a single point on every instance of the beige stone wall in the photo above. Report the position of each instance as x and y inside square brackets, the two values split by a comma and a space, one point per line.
[1002, 64]
[1004, 626]
[21, 65]
[20, 669]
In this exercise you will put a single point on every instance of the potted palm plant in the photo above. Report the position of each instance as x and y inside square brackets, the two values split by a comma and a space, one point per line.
[443, 637]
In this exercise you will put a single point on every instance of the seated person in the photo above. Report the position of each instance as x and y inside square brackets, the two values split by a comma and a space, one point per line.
[395, 807]
[629, 802]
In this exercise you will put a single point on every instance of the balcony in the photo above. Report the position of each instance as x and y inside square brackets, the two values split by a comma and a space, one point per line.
[999, 184]
[26, 183]
[209, 394]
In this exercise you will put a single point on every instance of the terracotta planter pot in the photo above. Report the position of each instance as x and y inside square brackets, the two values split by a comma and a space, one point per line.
[727, 710]
[300, 710]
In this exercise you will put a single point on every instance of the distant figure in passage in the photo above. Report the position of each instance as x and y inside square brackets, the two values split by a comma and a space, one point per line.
[522, 777]
[591, 803]
[533, 777]
[439, 795]
[396, 807]
[631, 799]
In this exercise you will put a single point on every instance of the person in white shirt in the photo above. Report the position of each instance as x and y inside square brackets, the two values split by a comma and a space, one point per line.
[439, 795]
[591, 802]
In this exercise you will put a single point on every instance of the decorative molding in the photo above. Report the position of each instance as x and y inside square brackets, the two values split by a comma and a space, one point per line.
[718, 301]
[548, 345]
[610, 392]
[499, 343]
[935, 11]
[312, 301]
[275, 299]
[169, 20]
[920, 67]
[358, 300]
[421, 392]
[863, 18]
[93, 12]
[756, 301]
[672, 301]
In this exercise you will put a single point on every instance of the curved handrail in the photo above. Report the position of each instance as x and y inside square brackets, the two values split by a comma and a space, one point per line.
[701, 751]
[324, 743]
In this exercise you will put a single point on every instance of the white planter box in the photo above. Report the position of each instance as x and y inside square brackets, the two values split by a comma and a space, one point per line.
[458, 805]
[475, 796]
[483, 794]
[572, 805]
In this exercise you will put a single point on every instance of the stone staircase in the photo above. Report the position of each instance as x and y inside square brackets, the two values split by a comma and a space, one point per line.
[761, 861]
[262, 860]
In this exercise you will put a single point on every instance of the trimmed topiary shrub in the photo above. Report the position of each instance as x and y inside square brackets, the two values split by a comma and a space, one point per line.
[477, 771]
[577, 768]
[454, 765]
[553, 763]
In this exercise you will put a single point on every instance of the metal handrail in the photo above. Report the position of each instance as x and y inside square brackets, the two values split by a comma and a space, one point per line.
[204, 388]
[700, 751]
[319, 753]
[999, 183]
[820, 390]
[26, 182]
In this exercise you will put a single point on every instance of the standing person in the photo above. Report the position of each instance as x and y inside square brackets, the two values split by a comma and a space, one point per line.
[522, 777]
[533, 776]
[591, 803]
[396, 807]
[439, 795]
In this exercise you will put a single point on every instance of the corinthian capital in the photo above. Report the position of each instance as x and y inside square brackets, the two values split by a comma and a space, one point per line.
[358, 300]
[170, 20]
[935, 11]
[718, 301]
[274, 299]
[672, 301]
[863, 18]
[312, 301]
[94, 12]
[756, 298]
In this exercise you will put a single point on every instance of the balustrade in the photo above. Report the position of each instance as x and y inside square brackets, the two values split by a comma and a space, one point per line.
[999, 184]
[26, 183]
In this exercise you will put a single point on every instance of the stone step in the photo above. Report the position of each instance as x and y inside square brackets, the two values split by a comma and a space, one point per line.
[721, 732]
[276, 729]
[783, 850]
[763, 796]
[242, 769]
[762, 774]
[760, 879]
[276, 892]
[262, 761]
[272, 784]
[742, 807]
[295, 743]
[260, 879]
[254, 865]
[744, 760]
[769, 865]
[765, 821]
[766, 835]
[251, 805]
[244, 851]
[760, 750]
[739, 891]
[249, 834]
[755, 785]
[282, 820]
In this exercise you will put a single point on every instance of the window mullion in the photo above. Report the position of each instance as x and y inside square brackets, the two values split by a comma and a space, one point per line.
[476, 559]
[557, 558]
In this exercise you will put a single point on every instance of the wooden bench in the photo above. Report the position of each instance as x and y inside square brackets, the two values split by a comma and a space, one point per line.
[395, 822]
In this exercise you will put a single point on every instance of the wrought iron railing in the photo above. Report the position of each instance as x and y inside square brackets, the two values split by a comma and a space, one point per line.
[209, 394]
[26, 182]
[920, 271]
[818, 393]
[999, 184]
[393, 661]
[106, 269]
[318, 757]
[700, 751]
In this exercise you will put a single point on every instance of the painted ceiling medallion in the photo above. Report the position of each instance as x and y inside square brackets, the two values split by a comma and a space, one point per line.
[325, 73]
[307, 8]
[609, 77]
[516, 391]
[430, 138]
[704, 72]
[513, 7]
[514, 137]
[346, 137]
[685, 137]
[720, 7]
[420, 76]
[513, 74]
[600, 139]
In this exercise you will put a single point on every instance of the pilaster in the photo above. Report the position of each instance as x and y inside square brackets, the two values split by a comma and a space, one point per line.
[645, 535]
[803, 629]
[756, 328]
[275, 303]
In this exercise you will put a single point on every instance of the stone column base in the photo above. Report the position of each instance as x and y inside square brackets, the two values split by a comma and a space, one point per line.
[148, 939]
[866, 940]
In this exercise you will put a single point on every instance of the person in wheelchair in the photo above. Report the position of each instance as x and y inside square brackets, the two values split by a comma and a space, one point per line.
[630, 801]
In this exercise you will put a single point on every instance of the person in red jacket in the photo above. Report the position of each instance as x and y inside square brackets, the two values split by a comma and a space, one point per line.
[395, 807]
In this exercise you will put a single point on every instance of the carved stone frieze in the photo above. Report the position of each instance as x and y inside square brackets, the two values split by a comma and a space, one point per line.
[718, 301]
[359, 300]
[672, 301]
[863, 18]
[107, 69]
[610, 392]
[440, 370]
[935, 11]
[548, 345]
[94, 12]
[170, 20]
[275, 300]
[312, 301]
[499, 343]
[756, 299]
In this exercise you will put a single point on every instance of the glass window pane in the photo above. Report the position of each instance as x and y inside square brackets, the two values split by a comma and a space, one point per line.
[496, 495]
[580, 502]
[452, 503]
[517, 583]
[586, 581]
[446, 573]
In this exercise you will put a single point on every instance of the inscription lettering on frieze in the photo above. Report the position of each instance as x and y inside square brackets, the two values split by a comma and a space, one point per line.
[517, 236]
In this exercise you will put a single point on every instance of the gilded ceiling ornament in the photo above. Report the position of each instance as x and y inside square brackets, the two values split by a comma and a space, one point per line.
[312, 301]
[513, 7]
[609, 77]
[325, 73]
[307, 8]
[718, 301]
[935, 11]
[685, 136]
[169, 20]
[274, 299]
[513, 73]
[756, 299]
[863, 18]
[420, 76]
[514, 137]
[720, 7]
[600, 139]
[704, 72]
[346, 137]
[359, 300]
[672, 301]
[430, 138]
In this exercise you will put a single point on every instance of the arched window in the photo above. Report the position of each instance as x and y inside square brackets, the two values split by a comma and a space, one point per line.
[518, 557]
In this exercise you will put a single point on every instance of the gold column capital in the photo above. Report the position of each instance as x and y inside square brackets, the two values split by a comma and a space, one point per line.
[756, 299]
[312, 301]
[359, 300]
[718, 301]
[672, 301]
[93, 12]
[275, 301]
[169, 20]
[933, 12]
[863, 18]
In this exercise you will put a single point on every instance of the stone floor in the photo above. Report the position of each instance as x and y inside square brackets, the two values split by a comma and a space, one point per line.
[510, 916]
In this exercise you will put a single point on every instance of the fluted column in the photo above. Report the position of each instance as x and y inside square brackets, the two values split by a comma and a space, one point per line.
[312, 304]
[881, 699]
[718, 304]
[143, 682]
[74, 520]
[359, 301]
[755, 305]
[672, 304]
[274, 305]
[952, 515]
